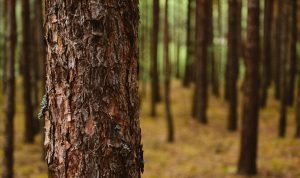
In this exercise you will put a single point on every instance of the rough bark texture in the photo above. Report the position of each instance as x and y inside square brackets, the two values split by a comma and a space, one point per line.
[267, 52]
[155, 96]
[200, 94]
[233, 62]
[249, 137]
[30, 127]
[9, 93]
[92, 119]
[167, 69]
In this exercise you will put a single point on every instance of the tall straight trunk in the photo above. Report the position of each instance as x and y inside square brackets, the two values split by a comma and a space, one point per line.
[285, 53]
[233, 62]
[29, 119]
[211, 53]
[277, 51]
[188, 62]
[249, 136]
[9, 93]
[178, 47]
[155, 96]
[4, 53]
[169, 117]
[91, 117]
[297, 117]
[267, 55]
[293, 55]
[200, 94]
[238, 48]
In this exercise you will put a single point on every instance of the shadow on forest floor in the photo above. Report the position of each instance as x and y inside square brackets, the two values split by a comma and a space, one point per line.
[198, 152]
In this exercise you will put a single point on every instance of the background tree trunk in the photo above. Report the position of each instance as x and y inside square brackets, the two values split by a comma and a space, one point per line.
[9, 93]
[248, 151]
[169, 117]
[155, 96]
[267, 55]
[233, 62]
[30, 124]
[200, 94]
[92, 119]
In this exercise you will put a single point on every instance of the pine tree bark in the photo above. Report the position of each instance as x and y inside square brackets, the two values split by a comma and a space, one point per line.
[29, 119]
[92, 119]
[249, 137]
[169, 116]
[155, 96]
[267, 55]
[233, 62]
[9, 93]
[200, 94]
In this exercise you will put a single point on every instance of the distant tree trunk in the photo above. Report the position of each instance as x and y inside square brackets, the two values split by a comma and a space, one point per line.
[4, 54]
[284, 51]
[267, 55]
[293, 55]
[211, 53]
[9, 93]
[178, 59]
[29, 119]
[277, 51]
[188, 64]
[170, 137]
[91, 117]
[248, 151]
[297, 134]
[233, 62]
[155, 96]
[200, 94]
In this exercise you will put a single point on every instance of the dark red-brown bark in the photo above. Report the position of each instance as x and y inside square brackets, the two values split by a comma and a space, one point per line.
[92, 119]
[233, 62]
[200, 94]
[249, 137]
[9, 93]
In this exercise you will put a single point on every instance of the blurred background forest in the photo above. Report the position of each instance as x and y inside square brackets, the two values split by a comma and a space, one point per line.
[219, 88]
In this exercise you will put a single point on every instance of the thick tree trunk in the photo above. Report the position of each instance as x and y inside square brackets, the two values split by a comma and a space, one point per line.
[249, 137]
[9, 93]
[267, 55]
[169, 117]
[293, 55]
[200, 94]
[155, 96]
[29, 119]
[92, 119]
[233, 62]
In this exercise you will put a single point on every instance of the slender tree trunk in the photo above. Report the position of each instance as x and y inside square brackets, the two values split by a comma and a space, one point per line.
[188, 63]
[92, 119]
[200, 94]
[277, 51]
[285, 53]
[4, 59]
[297, 134]
[170, 136]
[9, 93]
[155, 96]
[233, 62]
[293, 55]
[267, 55]
[249, 137]
[29, 119]
[211, 53]
[178, 59]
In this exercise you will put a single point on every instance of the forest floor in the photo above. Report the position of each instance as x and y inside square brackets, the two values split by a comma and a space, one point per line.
[199, 151]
